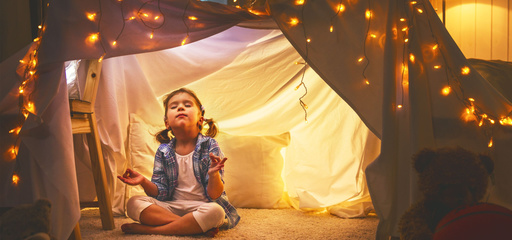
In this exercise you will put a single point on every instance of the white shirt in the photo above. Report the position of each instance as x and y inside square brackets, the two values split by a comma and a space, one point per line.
[187, 188]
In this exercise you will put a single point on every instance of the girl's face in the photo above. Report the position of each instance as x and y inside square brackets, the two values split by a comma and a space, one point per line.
[183, 112]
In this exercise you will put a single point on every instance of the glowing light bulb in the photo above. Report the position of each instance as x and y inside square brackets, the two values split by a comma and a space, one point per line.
[299, 2]
[402, 19]
[91, 16]
[420, 10]
[22, 61]
[101, 58]
[471, 99]
[30, 107]
[145, 15]
[15, 179]
[490, 143]
[341, 8]
[114, 43]
[399, 106]
[360, 59]
[411, 57]
[465, 70]
[367, 82]
[156, 17]
[331, 29]
[368, 14]
[308, 40]
[404, 29]
[437, 66]
[131, 18]
[406, 40]
[93, 37]
[152, 34]
[373, 35]
[36, 39]
[293, 21]
[184, 41]
[435, 47]
[446, 90]
[192, 18]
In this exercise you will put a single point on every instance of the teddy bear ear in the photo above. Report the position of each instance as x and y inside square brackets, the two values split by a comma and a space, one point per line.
[423, 158]
[487, 162]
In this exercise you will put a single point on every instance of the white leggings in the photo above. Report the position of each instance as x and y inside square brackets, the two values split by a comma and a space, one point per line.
[208, 214]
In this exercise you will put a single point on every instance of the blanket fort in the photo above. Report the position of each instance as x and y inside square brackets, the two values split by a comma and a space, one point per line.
[340, 94]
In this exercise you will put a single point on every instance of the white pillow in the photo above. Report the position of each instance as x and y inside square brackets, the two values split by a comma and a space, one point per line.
[252, 173]
[142, 148]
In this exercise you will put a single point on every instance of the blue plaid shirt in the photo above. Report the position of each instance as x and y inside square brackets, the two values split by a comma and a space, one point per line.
[165, 172]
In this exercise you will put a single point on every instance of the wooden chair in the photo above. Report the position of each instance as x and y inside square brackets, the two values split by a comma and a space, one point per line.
[83, 121]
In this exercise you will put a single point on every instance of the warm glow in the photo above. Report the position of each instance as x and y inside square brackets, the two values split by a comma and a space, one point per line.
[420, 10]
[331, 29]
[468, 115]
[368, 14]
[404, 29]
[18, 129]
[91, 16]
[490, 143]
[471, 99]
[101, 58]
[437, 66]
[506, 121]
[367, 82]
[157, 17]
[413, 2]
[114, 43]
[465, 70]
[360, 59]
[93, 37]
[32, 72]
[411, 57]
[184, 41]
[131, 18]
[299, 2]
[21, 90]
[36, 39]
[373, 35]
[145, 15]
[406, 40]
[15, 179]
[308, 40]
[402, 19]
[151, 35]
[341, 8]
[293, 21]
[399, 106]
[30, 107]
[192, 18]
[446, 90]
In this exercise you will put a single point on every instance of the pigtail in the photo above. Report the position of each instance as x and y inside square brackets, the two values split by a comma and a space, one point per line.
[212, 127]
[163, 136]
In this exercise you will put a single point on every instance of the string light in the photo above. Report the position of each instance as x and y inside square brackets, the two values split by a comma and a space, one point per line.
[15, 179]
[446, 90]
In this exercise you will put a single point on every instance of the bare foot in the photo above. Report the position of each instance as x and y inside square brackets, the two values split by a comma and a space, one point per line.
[212, 232]
[130, 227]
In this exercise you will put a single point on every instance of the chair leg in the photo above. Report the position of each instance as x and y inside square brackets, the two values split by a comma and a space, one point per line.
[75, 235]
[100, 179]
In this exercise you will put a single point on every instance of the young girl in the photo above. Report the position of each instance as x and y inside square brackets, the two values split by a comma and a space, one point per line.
[186, 192]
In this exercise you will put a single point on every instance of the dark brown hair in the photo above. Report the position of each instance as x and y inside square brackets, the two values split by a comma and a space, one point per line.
[163, 136]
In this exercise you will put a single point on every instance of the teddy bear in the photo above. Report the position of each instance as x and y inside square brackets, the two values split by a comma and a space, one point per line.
[27, 221]
[448, 178]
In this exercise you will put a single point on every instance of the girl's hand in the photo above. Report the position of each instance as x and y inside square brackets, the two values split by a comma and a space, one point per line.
[217, 164]
[131, 177]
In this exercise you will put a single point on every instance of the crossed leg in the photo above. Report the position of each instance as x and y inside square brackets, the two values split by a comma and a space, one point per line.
[157, 220]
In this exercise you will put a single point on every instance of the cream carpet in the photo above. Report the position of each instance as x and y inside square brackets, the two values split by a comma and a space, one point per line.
[254, 224]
